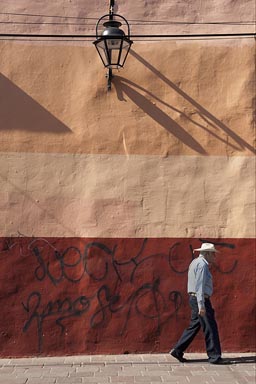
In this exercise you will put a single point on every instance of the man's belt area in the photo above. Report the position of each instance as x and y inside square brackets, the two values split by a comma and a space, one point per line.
[194, 294]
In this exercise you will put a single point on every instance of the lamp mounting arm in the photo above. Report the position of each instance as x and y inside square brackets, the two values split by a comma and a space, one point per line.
[111, 9]
[109, 76]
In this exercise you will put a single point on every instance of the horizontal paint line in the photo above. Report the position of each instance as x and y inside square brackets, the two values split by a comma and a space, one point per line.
[126, 196]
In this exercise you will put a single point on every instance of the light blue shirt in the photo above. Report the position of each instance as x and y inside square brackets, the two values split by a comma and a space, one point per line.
[200, 279]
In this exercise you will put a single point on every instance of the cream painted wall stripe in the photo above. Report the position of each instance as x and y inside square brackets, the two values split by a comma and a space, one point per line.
[63, 195]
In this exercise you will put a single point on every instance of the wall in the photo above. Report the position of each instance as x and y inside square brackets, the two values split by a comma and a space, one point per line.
[104, 195]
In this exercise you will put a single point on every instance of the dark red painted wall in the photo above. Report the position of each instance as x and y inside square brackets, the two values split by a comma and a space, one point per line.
[77, 296]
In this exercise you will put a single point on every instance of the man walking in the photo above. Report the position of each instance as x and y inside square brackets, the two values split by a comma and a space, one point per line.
[200, 289]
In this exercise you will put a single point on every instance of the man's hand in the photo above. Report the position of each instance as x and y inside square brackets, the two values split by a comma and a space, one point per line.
[202, 312]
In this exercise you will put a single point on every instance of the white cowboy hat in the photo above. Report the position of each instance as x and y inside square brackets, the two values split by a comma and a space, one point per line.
[207, 247]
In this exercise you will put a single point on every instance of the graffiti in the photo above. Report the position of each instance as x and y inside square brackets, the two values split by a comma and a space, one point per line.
[225, 245]
[129, 286]
[68, 308]
[63, 308]
[64, 267]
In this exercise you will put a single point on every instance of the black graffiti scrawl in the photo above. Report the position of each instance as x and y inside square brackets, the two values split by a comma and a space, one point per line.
[138, 284]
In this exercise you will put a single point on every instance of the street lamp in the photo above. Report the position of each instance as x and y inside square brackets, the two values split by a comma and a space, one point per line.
[112, 43]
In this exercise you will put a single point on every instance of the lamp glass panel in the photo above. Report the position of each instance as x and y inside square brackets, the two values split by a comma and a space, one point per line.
[126, 44]
[114, 55]
[124, 54]
[113, 52]
[114, 43]
[103, 54]
[100, 43]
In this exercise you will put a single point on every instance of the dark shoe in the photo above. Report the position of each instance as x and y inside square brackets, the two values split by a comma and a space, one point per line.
[217, 361]
[178, 356]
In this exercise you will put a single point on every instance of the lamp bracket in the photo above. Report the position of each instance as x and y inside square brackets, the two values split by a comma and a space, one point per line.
[111, 8]
[109, 76]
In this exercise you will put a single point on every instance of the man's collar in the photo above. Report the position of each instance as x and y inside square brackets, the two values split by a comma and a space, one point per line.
[204, 259]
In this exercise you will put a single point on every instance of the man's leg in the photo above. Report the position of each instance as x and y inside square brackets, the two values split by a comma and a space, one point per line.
[211, 333]
[192, 330]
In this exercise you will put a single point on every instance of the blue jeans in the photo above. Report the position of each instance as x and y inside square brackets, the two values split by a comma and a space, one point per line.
[210, 329]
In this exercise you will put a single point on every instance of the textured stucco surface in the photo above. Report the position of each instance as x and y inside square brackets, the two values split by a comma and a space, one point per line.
[104, 194]
[144, 16]
[127, 196]
[197, 99]
[73, 295]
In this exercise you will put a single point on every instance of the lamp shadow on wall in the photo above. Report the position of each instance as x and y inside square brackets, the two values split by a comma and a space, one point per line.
[19, 111]
[127, 87]
[133, 91]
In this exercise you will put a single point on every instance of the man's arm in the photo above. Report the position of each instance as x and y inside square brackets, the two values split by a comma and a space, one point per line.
[199, 286]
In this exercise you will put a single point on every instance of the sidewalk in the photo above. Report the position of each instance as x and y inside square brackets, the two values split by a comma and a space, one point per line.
[128, 369]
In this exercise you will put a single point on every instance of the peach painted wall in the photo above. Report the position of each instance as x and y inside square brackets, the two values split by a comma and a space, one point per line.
[105, 194]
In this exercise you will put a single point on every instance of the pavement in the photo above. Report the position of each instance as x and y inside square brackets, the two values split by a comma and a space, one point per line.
[128, 369]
